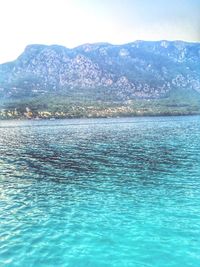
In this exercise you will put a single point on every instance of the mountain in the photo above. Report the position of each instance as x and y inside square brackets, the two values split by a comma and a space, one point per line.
[103, 74]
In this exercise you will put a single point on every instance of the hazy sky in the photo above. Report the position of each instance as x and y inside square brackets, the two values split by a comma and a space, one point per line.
[74, 22]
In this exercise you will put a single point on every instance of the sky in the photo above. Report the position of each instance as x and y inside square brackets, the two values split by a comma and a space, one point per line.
[74, 22]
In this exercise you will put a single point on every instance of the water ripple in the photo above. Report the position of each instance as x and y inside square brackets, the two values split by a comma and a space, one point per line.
[121, 192]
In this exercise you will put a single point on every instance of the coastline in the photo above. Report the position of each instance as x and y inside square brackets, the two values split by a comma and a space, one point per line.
[136, 115]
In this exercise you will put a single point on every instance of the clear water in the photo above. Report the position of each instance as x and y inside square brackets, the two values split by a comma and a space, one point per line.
[123, 192]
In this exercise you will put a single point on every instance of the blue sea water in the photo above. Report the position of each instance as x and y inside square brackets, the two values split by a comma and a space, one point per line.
[100, 192]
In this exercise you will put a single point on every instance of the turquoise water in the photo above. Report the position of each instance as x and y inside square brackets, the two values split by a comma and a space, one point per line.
[95, 193]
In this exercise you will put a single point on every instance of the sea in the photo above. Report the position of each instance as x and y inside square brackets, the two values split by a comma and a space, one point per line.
[121, 192]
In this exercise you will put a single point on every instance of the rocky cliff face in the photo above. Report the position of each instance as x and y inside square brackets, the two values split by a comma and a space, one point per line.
[101, 71]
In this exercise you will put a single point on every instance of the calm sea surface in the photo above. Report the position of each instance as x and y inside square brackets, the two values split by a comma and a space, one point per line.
[104, 192]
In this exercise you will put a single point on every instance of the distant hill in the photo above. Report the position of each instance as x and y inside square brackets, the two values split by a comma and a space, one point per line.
[52, 77]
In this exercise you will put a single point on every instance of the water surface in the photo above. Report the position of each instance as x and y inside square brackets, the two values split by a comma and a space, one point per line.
[104, 192]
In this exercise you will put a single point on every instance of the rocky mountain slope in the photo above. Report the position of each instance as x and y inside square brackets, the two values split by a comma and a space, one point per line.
[102, 80]
[138, 70]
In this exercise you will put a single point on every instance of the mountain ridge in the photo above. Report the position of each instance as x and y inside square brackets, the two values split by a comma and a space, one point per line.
[141, 70]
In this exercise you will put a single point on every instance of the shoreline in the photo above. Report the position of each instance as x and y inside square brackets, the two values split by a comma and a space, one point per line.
[97, 117]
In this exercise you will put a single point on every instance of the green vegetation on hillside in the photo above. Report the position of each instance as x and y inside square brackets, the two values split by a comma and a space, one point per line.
[178, 102]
